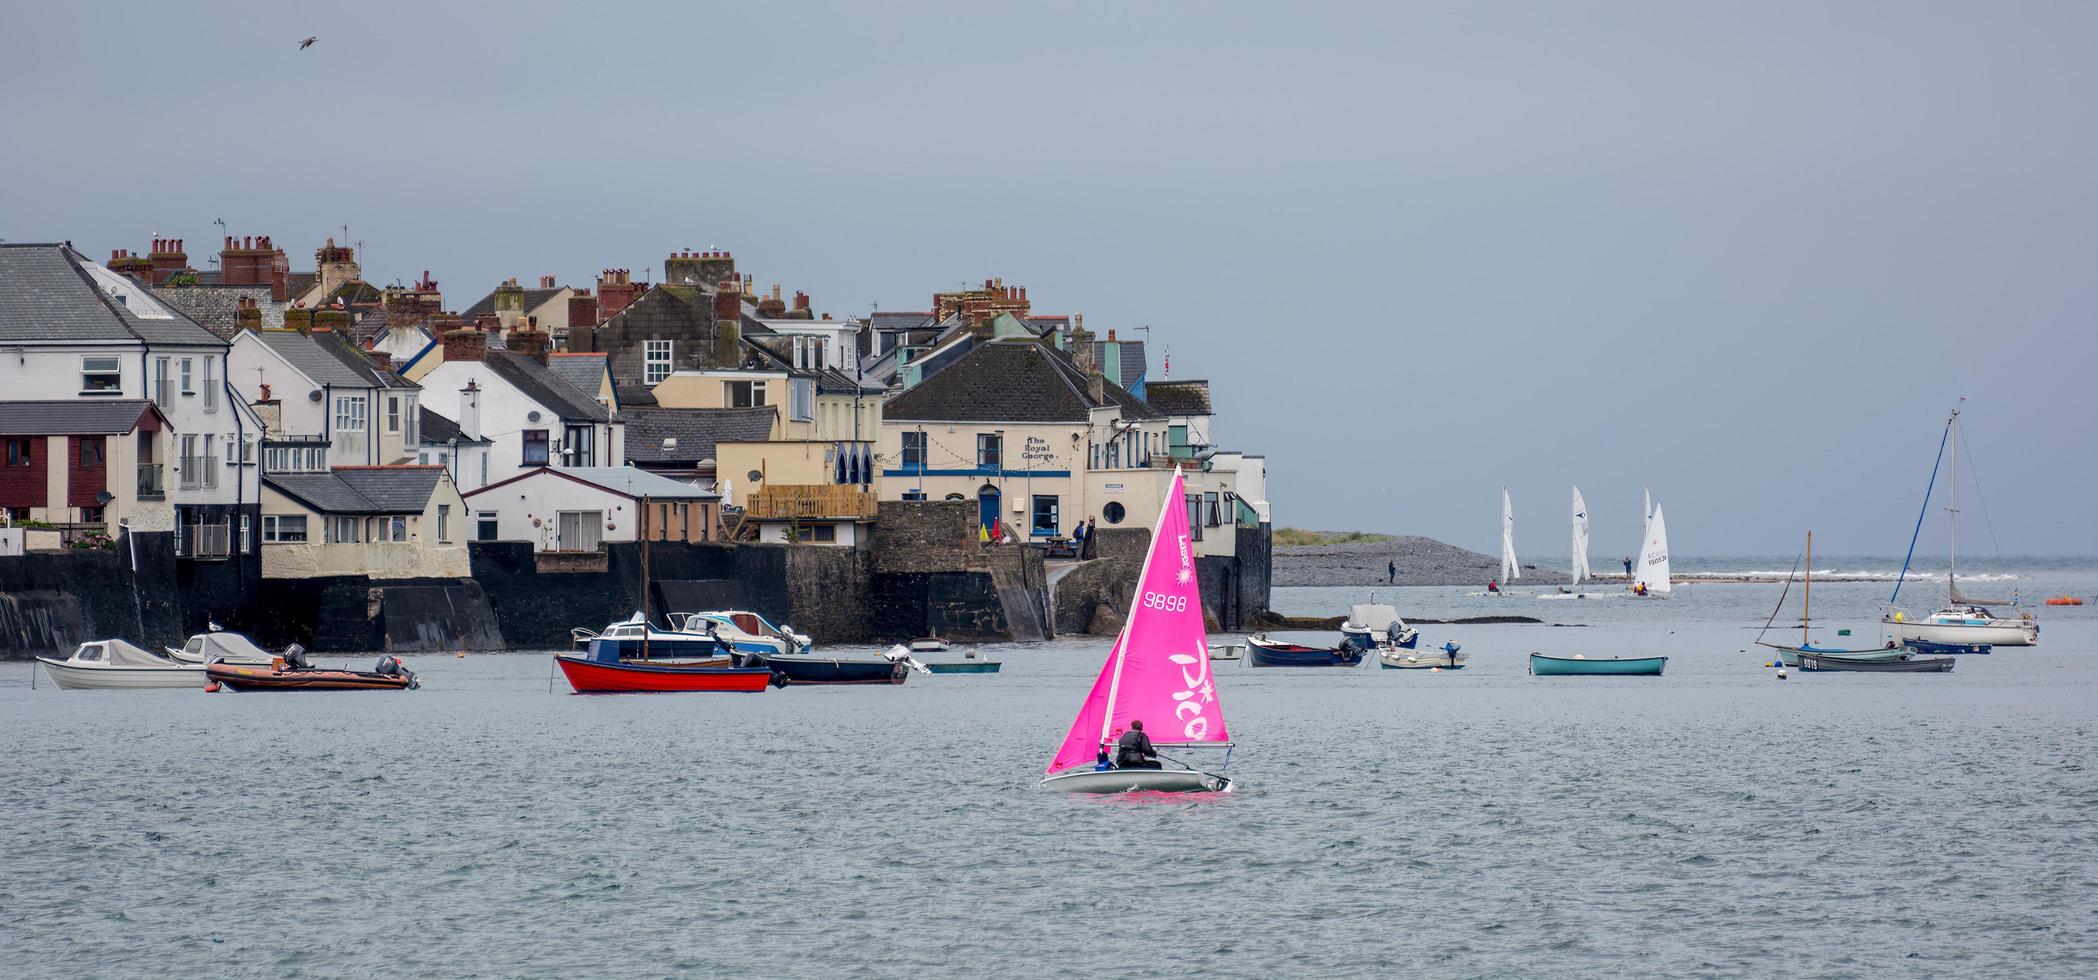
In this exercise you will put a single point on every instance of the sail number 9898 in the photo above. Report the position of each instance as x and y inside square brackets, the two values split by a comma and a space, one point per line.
[1166, 603]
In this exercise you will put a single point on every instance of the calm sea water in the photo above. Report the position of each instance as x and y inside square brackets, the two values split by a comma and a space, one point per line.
[1715, 821]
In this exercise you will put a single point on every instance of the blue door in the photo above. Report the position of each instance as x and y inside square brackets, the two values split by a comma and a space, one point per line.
[987, 506]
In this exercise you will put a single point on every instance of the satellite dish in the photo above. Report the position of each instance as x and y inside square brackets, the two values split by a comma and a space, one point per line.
[532, 416]
[103, 497]
[314, 395]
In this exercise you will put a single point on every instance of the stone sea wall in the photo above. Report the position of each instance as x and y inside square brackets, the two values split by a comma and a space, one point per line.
[923, 572]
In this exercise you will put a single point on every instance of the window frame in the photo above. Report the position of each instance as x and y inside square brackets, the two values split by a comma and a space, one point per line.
[277, 529]
[654, 368]
[1035, 527]
[100, 445]
[444, 523]
[990, 451]
[115, 374]
[914, 455]
[530, 438]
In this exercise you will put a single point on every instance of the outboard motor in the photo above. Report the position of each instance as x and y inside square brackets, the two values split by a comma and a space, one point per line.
[295, 658]
[391, 666]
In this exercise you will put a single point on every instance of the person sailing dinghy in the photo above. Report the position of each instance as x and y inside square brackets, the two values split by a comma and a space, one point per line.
[1157, 672]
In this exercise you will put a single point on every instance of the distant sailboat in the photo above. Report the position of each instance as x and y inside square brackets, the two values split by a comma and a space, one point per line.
[1581, 571]
[1790, 655]
[1650, 576]
[1510, 568]
[1156, 673]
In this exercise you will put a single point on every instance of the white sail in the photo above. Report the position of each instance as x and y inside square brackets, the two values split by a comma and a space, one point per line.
[1510, 568]
[1646, 514]
[1580, 538]
[1652, 571]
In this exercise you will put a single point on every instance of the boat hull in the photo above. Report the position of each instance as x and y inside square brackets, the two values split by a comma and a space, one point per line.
[1789, 656]
[1266, 654]
[1137, 781]
[1426, 661]
[597, 677]
[244, 677]
[1544, 666]
[70, 677]
[928, 644]
[1916, 665]
[1929, 649]
[2000, 633]
[1227, 651]
[965, 667]
[815, 670]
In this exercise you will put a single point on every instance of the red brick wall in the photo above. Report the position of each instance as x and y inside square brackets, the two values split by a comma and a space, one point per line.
[25, 486]
[84, 482]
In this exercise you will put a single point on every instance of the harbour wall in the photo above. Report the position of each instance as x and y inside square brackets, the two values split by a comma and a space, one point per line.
[922, 571]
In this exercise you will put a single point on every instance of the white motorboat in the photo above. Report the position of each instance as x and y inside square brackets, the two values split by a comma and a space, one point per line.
[1227, 651]
[743, 632]
[1447, 658]
[1375, 626]
[930, 644]
[1963, 620]
[117, 665]
[218, 644]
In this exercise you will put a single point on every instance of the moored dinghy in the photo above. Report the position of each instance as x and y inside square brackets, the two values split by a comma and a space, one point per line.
[218, 644]
[1578, 665]
[1157, 672]
[1913, 665]
[1263, 652]
[1789, 655]
[1447, 659]
[293, 672]
[1374, 626]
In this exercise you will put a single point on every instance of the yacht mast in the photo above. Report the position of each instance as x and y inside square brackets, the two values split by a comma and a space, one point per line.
[1952, 512]
[1806, 611]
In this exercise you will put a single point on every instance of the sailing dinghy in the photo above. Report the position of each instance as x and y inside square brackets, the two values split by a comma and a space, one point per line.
[1790, 655]
[1581, 571]
[1157, 673]
[1511, 569]
[1650, 577]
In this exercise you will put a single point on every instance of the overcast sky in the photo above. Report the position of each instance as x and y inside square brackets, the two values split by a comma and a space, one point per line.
[1746, 254]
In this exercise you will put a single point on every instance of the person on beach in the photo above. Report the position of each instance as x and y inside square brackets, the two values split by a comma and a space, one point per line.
[1090, 529]
[1391, 572]
[1133, 750]
[1628, 566]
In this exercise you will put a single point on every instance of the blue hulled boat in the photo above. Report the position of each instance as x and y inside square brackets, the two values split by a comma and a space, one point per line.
[1928, 648]
[1263, 652]
[1543, 666]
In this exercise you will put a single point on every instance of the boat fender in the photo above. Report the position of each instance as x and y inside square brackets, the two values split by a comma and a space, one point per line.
[211, 688]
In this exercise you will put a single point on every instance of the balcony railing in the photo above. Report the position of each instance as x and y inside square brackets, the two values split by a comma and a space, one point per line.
[206, 542]
[150, 486]
[796, 501]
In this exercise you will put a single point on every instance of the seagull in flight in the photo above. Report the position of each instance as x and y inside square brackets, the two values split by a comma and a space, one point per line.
[303, 45]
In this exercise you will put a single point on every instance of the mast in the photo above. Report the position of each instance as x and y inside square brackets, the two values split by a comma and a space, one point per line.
[1952, 511]
[646, 628]
[1806, 611]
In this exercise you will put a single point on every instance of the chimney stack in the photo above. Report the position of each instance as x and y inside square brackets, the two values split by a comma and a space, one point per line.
[615, 289]
[546, 282]
[383, 360]
[728, 325]
[465, 344]
[298, 318]
[582, 311]
[509, 303]
[527, 340]
[469, 409]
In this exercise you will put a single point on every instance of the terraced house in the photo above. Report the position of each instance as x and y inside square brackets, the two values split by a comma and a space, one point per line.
[73, 332]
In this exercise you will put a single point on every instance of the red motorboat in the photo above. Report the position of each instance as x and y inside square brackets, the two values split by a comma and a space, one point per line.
[613, 676]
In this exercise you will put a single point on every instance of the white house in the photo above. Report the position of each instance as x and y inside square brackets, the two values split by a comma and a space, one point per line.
[378, 521]
[532, 416]
[581, 508]
[72, 330]
[326, 391]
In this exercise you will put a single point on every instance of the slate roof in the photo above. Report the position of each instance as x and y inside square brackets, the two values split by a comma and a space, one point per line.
[585, 371]
[831, 381]
[216, 307]
[436, 430]
[74, 417]
[328, 359]
[1133, 362]
[53, 293]
[627, 480]
[533, 299]
[361, 489]
[1011, 380]
[542, 385]
[1179, 397]
[899, 320]
[696, 431]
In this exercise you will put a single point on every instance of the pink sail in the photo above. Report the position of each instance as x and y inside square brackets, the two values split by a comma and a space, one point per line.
[1158, 671]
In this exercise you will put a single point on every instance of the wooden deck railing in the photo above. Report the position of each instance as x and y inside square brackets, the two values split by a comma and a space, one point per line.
[809, 500]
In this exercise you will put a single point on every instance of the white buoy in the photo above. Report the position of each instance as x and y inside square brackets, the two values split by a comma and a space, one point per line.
[1781, 673]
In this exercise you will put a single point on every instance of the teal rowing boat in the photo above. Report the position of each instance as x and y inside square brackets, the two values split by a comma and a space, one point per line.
[1544, 666]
